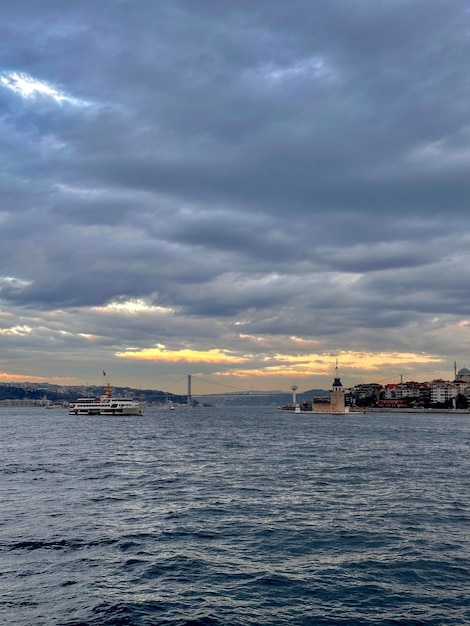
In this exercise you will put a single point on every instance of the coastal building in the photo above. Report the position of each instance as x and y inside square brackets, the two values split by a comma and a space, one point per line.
[411, 391]
[25, 402]
[443, 392]
[397, 391]
[392, 403]
[337, 402]
[366, 390]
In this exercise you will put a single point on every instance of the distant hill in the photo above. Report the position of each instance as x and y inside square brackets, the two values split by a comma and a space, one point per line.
[59, 394]
[62, 394]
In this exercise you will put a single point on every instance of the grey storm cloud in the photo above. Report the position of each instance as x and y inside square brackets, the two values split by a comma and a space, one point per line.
[244, 169]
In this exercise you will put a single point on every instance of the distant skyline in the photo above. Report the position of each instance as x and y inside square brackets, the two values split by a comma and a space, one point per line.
[239, 191]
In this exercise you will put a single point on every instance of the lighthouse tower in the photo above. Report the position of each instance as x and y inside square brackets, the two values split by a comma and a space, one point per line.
[294, 395]
[337, 403]
[337, 395]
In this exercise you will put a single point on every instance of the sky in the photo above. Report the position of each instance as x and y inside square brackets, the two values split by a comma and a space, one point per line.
[244, 192]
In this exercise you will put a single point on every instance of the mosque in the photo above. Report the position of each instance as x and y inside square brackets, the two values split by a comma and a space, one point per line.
[462, 376]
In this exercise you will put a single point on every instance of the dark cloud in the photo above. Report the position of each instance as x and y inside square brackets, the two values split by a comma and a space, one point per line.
[202, 175]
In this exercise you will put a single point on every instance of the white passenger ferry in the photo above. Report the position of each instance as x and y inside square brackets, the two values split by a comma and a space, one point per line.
[106, 405]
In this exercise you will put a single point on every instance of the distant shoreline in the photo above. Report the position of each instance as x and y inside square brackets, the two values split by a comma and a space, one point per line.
[406, 410]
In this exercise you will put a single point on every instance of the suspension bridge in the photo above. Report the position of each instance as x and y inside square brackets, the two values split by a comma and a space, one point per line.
[224, 389]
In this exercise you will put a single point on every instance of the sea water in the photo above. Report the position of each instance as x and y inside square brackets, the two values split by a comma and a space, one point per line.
[233, 517]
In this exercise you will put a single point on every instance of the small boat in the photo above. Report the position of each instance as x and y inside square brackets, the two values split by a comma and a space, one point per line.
[106, 405]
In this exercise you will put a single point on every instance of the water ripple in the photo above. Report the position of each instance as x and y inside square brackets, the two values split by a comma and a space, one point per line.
[248, 517]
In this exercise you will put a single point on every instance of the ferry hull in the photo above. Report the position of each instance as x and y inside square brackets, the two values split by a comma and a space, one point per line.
[74, 410]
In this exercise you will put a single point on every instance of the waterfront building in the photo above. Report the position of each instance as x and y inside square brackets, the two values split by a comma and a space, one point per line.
[25, 402]
[365, 391]
[410, 390]
[397, 391]
[443, 392]
[337, 402]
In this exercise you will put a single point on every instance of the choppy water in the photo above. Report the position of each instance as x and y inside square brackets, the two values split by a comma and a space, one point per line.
[234, 517]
